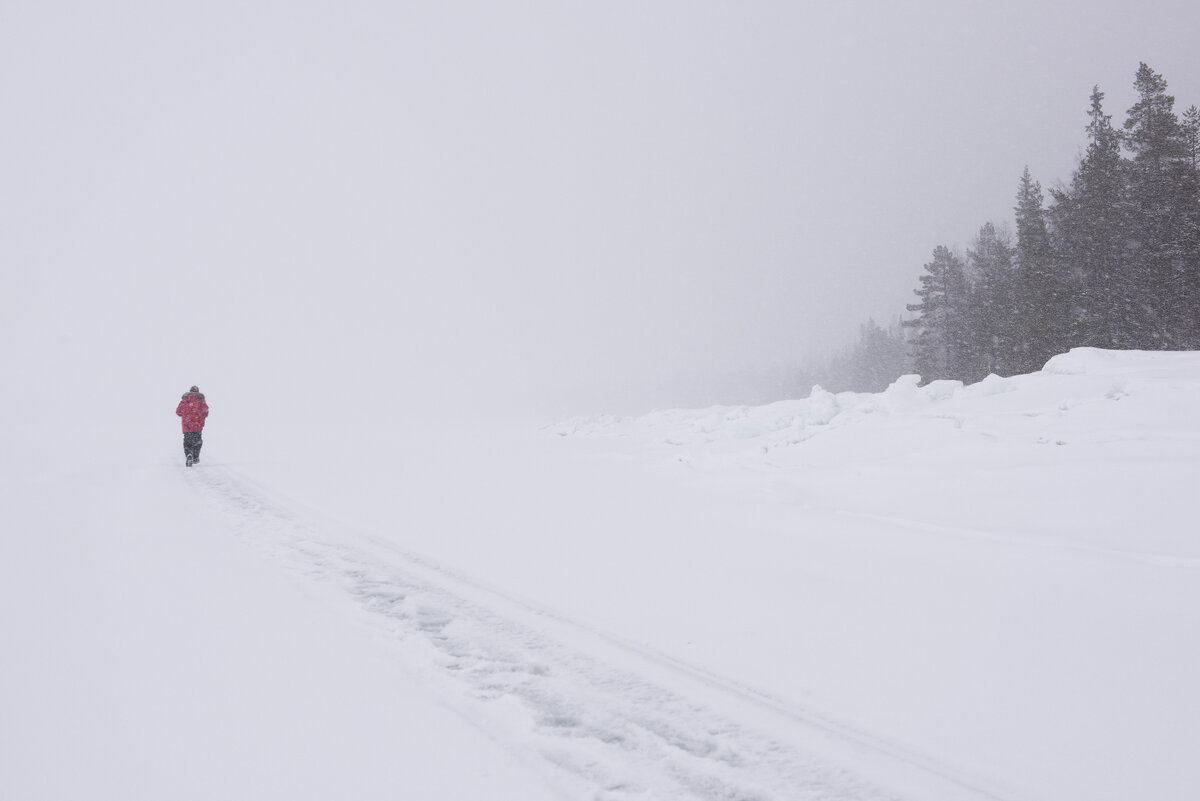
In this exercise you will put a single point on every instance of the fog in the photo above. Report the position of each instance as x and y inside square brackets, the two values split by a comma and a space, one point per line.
[393, 208]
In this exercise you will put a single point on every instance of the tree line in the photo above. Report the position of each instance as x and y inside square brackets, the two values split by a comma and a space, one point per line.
[1111, 260]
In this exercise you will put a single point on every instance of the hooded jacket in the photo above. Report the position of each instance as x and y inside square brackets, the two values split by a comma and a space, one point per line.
[193, 410]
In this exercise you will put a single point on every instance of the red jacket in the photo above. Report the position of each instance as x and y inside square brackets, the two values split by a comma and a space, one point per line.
[193, 410]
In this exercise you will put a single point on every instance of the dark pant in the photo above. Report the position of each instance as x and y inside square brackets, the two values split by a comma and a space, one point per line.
[191, 445]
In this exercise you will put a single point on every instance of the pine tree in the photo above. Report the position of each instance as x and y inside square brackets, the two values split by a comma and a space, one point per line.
[1090, 225]
[1188, 195]
[879, 358]
[1114, 262]
[1189, 303]
[942, 346]
[1041, 302]
[990, 307]
[1153, 131]
[1162, 191]
[1191, 136]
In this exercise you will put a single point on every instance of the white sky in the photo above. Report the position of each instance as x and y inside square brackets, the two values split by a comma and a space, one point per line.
[555, 204]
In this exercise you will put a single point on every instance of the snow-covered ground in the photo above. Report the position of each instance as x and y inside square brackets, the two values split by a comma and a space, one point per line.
[940, 592]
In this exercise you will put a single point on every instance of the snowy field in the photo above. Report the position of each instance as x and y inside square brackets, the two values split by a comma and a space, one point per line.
[942, 593]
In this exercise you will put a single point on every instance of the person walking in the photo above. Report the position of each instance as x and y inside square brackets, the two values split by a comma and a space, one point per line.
[193, 409]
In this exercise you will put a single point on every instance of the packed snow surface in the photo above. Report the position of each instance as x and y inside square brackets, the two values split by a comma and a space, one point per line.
[934, 592]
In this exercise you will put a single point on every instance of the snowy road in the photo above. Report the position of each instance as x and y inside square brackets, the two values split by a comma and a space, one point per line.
[620, 721]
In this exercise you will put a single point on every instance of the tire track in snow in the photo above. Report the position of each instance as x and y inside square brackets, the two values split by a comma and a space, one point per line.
[616, 730]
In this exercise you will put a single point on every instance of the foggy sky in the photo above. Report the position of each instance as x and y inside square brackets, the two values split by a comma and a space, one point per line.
[543, 205]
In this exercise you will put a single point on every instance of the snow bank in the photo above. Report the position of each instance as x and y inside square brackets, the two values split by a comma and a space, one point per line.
[1001, 576]
[1100, 376]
